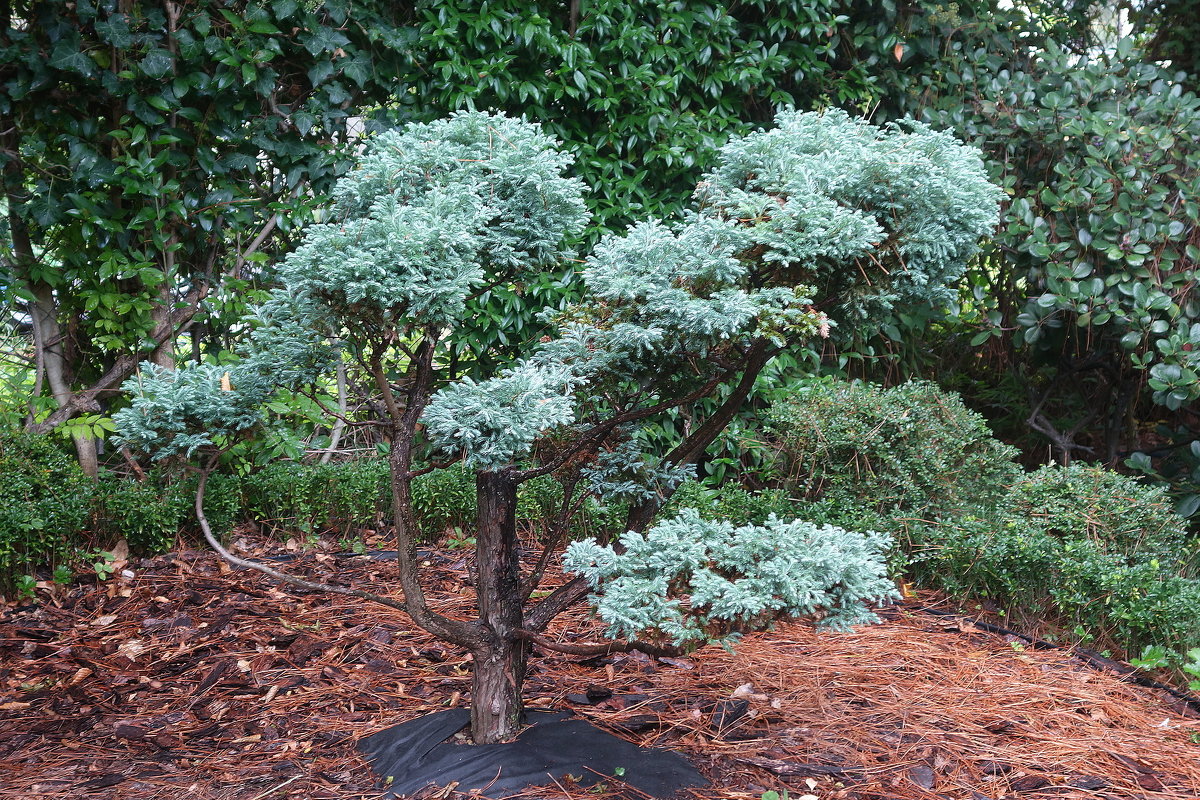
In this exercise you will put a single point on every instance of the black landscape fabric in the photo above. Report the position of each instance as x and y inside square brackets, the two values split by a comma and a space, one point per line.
[415, 754]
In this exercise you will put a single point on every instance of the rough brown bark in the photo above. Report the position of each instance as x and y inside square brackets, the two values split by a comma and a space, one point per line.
[499, 669]
[404, 422]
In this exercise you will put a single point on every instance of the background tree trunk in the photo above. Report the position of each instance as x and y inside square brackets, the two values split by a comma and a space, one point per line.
[51, 358]
[50, 355]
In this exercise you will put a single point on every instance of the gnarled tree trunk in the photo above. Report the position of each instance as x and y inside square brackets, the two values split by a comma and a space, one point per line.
[499, 669]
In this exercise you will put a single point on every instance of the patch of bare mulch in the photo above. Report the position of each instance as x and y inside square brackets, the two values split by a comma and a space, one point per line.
[188, 680]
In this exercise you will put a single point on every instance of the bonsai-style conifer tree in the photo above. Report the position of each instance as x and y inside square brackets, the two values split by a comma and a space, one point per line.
[822, 221]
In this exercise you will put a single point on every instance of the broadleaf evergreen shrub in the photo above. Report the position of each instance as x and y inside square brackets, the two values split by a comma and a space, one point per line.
[1031, 572]
[1087, 305]
[288, 497]
[1077, 546]
[911, 448]
[45, 500]
[1119, 514]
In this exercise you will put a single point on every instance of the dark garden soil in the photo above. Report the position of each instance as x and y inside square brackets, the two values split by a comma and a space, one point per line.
[184, 679]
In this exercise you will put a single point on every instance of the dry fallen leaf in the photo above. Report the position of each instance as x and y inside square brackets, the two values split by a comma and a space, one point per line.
[80, 674]
[132, 648]
[747, 692]
[120, 552]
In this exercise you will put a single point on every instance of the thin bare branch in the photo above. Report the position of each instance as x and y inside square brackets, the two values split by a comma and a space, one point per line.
[557, 533]
[283, 577]
[602, 648]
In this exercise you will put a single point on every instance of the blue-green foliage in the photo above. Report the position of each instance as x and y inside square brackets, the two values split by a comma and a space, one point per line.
[821, 199]
[653, 294]
[430, 212]
[181, 411]
[681, 290]
[495, 421]
[199, 405]
[737, 578]
[625, 473]
[823, 193]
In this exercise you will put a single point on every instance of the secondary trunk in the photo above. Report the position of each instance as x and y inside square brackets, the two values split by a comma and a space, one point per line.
[691, 448]
[499, 668]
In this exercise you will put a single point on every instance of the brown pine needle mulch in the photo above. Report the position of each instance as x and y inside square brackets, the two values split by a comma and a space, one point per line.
[187, 680]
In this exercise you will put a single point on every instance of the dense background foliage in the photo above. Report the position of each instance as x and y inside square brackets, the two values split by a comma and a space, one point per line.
[152, 155]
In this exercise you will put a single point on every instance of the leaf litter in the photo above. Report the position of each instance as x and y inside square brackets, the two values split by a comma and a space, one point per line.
[181, 678]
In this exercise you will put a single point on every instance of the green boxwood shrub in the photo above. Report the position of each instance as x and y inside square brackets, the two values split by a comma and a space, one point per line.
[1120, 514]
[45, 500]
[912, 448]
[443, 499]
[148, 515]
[290, 497]
[1082, 546]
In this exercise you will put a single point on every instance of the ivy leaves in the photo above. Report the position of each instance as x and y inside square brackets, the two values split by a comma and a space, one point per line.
[149, 146]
